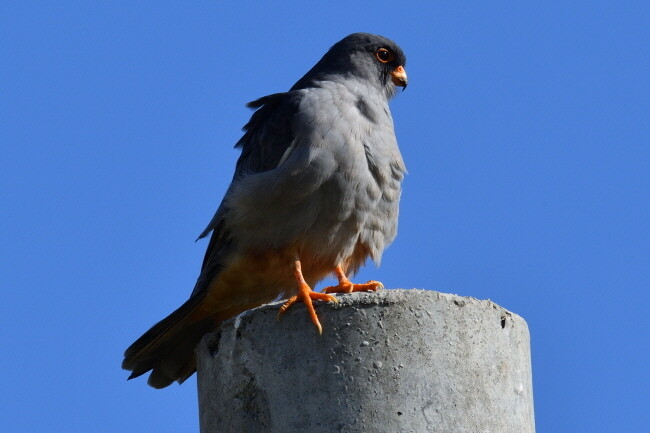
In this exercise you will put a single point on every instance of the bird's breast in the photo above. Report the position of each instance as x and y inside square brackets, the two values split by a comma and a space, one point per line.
[332, 188]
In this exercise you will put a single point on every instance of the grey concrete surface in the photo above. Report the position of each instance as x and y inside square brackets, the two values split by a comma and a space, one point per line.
[392, 361]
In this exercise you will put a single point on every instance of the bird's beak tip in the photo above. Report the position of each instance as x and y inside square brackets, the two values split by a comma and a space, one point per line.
[399, 77]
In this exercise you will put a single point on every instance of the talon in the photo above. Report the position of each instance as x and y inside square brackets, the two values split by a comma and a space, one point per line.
[292, 300]
[342, 287]
[376, 285]
[345, 286]
[306, 294]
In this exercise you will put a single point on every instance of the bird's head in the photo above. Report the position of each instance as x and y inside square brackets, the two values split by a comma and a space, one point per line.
[372, 58]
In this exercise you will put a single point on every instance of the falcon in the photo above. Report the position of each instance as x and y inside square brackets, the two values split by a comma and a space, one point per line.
[315, 192]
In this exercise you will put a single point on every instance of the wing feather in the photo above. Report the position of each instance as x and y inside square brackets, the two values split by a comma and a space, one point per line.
[267, 141]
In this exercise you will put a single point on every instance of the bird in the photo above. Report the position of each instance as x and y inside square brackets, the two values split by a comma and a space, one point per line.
[315, 192]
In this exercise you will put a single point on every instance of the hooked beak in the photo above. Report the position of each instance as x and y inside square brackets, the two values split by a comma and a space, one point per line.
[399, 77]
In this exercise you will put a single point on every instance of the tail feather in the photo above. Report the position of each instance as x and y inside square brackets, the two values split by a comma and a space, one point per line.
[168, 347]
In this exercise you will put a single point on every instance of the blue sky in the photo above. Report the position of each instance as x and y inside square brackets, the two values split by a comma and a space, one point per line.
[524, 128]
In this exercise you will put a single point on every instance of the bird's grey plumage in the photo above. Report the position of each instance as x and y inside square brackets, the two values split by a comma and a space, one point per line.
[341, 167]
[319, 171]
[341, 180]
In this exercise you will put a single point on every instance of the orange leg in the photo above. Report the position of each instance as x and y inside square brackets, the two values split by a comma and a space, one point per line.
[345, 286]
[305, 294]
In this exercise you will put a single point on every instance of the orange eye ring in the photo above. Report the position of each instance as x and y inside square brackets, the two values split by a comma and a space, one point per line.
[384, 55]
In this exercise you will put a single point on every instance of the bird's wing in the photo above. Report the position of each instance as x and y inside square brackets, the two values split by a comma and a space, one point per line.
[269, 133]
[268, 140]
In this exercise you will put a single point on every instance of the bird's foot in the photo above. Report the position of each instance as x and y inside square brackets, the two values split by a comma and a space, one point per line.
[306, 294]
[345, 286]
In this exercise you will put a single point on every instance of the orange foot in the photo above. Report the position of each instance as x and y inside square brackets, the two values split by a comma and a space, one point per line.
[345, 286]
[306, 294]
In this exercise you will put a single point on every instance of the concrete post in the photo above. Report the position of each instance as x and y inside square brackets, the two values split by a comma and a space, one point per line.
[392, 361]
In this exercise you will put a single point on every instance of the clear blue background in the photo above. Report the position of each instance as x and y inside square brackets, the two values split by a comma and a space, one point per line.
[524, 128]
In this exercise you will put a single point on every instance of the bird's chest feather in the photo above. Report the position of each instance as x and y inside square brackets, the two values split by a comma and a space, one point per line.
[331, 180]
[356, 133]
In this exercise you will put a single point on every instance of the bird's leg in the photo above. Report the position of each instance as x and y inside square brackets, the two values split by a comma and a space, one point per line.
[305, 294]
[345, 286]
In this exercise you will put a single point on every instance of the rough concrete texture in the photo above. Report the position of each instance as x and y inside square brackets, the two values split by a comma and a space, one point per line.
[392, 361]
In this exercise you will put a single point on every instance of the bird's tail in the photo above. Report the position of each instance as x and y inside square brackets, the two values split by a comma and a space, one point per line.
[168, 347]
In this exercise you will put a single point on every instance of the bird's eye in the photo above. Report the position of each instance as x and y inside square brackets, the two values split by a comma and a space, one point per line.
[383, 55]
